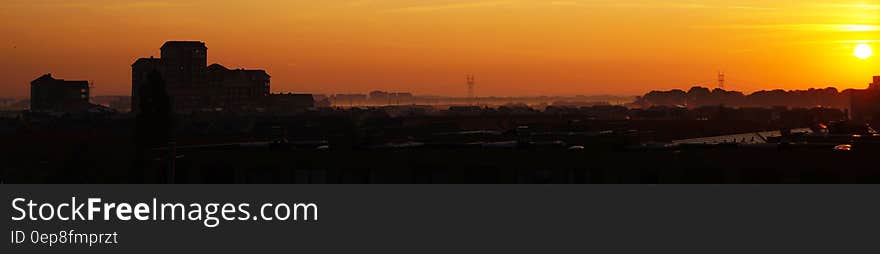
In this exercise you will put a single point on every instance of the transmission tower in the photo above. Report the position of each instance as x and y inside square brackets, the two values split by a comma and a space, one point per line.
[720, 79]
[470, 88]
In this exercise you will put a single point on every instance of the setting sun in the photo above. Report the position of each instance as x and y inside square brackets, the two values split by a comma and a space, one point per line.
[863, 51]
[516, 47]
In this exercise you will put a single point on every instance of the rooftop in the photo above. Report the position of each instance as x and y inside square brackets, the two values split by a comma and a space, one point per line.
[146, 60]
[48, 76]
[184, 44]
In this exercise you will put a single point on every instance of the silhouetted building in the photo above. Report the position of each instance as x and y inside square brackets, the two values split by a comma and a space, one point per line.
[194, 86]
[185, 63]
[238, 87]
[291, 102]
[139, 71]
[875, 85]
[865, 104]
[50, 94]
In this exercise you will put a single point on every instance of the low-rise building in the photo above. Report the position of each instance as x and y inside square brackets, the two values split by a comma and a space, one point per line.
[51, 94]
[865, 104]
[192, 85]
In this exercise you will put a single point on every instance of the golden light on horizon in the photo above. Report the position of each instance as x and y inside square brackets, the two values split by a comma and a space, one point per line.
[518, 47]
[863, 51]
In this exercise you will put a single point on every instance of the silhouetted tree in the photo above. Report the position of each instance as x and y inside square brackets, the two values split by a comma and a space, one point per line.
[153, 124]
[701, 96]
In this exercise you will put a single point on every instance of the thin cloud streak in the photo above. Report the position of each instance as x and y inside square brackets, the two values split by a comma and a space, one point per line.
[449, 6]
[802, 27]
[860, 6]
[653, 5]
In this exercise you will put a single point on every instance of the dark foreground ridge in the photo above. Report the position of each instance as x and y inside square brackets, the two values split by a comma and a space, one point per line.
[382, 145]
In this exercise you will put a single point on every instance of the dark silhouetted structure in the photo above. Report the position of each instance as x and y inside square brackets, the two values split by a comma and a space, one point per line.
[192, 85]
[237, 88]
[153, 123]
[865, 104]
[700, 96]
[50, 94]
[290, 102]
[139, 73]
[185, 63]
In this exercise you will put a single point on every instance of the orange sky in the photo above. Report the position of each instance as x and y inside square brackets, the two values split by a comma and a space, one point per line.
[516, 47]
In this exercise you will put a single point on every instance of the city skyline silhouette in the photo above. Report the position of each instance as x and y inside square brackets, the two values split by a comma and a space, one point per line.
[432, 125]
[439, 91]
[516, 48]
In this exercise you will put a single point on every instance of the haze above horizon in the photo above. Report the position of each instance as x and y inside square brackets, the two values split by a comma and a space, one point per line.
[515, 47]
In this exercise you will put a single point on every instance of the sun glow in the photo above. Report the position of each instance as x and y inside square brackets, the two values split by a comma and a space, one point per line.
[569, 47]
[863, 51]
